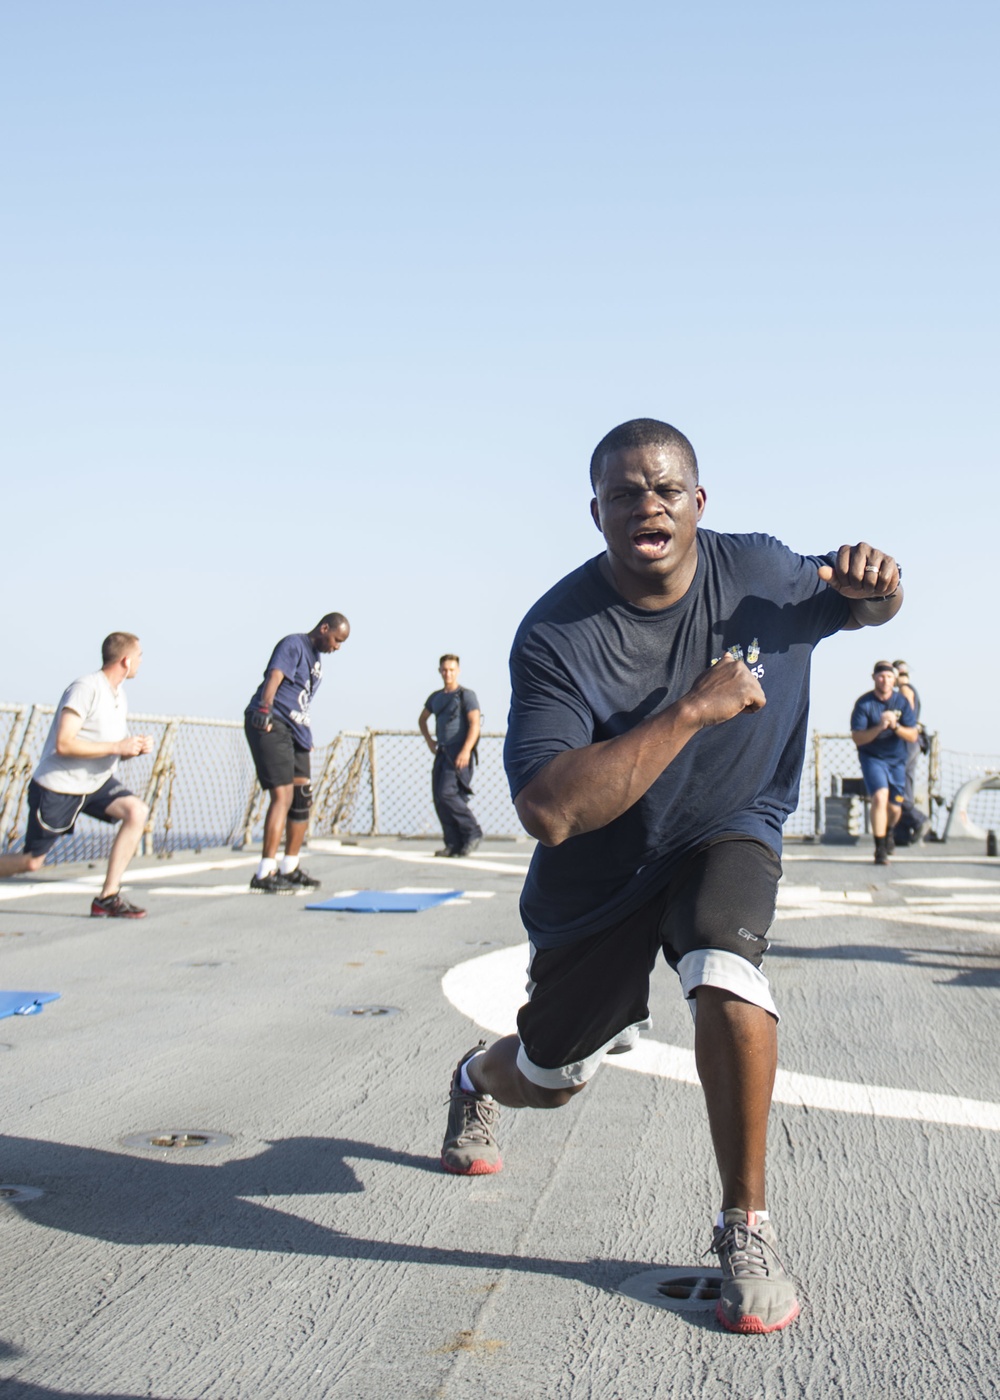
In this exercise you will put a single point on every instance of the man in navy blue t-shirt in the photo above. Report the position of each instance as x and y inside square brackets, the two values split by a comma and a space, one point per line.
[656, 735]
[883, 723]
[279, 733]
[456, 733]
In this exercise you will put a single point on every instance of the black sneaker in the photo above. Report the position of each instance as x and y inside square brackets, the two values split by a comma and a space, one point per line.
[881, 855]
[470, 1149]
[469, 847]
[114, 907]
[301, 880]
[272, 884]
[757, 1295]
[446, 852]
[890, 842]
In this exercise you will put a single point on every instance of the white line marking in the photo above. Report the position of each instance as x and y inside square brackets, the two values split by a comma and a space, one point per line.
[952, 882]
[456, 863]
[466, 894]
[813, 894]
[957, 901]
[85, 884]
[827, 854]
[208, 891]
[490, 988]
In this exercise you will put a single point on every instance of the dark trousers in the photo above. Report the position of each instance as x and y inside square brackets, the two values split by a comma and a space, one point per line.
[451, 802]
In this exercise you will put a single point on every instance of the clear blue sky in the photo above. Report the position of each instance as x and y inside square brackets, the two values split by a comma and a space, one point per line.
[314, 306]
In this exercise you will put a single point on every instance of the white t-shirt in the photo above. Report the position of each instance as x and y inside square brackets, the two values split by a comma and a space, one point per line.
[104, 712]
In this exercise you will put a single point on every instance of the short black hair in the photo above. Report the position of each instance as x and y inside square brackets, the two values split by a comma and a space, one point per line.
[333, 621]
[642, 432]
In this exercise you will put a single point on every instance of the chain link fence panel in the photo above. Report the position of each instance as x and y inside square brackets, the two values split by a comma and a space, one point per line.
[201, 787]
[378, 782]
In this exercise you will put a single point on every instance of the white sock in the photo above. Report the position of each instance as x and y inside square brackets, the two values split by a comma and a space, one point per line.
[288, 864]
[464, 1082]
[761, 1215]
[268, 865]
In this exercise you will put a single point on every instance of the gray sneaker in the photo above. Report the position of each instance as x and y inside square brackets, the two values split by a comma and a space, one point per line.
[470, 1149]
[757, 1295]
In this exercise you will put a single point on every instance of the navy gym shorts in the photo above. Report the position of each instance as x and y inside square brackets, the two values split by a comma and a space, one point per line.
[54, 814]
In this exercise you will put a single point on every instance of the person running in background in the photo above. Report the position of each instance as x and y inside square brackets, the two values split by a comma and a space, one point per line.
[279, 733]
[657, 730]
[75, 775]
[882, 724]
[456, 726]
[913, 824]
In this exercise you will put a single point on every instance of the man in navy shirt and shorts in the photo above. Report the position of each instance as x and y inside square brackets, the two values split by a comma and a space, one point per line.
[654, 747]
[279, 733]
[883, 724]
[77, 774]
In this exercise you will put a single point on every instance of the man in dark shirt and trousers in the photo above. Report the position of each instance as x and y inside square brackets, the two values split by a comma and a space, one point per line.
[882, 724]
[279, 733]
[656, 736]
[456, 726]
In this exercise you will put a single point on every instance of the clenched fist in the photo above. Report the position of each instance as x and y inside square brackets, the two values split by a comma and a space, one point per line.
[722, 692]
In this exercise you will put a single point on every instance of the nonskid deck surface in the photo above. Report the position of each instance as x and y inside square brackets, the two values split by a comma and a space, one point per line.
[226, 1135]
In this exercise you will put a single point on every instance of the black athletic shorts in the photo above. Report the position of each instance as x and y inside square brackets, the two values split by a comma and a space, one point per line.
[710, 921]
[277, 758]
[53, 814]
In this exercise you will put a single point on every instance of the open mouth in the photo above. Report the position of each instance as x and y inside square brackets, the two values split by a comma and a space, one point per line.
[651, 544]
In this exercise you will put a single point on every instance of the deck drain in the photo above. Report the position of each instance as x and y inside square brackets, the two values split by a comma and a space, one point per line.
[678, 1289]
[196, 963]
[368, 1011]
[177, 1139]
[14, 1195]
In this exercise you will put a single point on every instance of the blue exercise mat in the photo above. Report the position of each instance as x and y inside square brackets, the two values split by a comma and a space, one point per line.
[385, 902]
[24, 1003]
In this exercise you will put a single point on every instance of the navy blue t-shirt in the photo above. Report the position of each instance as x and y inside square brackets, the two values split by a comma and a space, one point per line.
[302, 670]
[869, 709]
[450, 709]
[586, 666]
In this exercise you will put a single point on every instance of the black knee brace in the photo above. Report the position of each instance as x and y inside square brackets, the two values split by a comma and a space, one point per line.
[302, 800]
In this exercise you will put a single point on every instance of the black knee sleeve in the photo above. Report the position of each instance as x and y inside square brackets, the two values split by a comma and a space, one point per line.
[302, 800]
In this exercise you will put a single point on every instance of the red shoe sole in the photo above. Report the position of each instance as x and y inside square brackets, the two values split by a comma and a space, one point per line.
[478, 1168]
[752, 1326]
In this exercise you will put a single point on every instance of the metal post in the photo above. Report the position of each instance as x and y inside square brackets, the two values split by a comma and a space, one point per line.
[350, 786]
[155, 785]
[20, 775]
[374, 782]
[247, 824]
[9, 754]
[817, 785]
[323, 786]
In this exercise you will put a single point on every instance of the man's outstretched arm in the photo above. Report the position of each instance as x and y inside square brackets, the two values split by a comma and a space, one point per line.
[869, 580]
[584, 789]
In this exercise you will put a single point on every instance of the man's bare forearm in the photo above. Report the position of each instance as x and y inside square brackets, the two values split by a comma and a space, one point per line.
[86, 748]
[584, 789]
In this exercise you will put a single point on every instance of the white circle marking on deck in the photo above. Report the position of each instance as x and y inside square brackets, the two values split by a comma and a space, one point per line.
[490, 988]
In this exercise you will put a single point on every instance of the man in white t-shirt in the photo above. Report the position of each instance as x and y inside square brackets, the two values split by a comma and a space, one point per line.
[76, 774]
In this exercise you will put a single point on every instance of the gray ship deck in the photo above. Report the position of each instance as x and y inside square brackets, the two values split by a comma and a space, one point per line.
[322, 1252]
